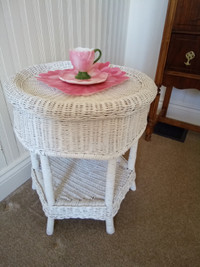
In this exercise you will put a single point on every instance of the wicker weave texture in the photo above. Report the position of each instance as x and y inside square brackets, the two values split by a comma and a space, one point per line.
[99, 126]
[79, 188]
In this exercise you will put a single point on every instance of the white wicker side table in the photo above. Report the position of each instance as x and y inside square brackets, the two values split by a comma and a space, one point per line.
[76, 142]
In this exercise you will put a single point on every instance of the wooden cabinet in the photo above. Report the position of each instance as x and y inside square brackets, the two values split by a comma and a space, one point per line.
[179, 60]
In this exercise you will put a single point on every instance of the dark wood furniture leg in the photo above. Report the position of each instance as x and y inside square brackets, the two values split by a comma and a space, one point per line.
[152, 117]
[165, 104]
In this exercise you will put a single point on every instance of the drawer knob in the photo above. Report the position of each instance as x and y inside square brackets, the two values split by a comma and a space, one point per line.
[189, 56]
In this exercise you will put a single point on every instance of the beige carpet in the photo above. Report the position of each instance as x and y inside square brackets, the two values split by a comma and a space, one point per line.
[157, 225]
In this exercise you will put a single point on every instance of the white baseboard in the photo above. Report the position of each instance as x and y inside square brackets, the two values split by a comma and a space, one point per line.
[14, 175]
[185, 114]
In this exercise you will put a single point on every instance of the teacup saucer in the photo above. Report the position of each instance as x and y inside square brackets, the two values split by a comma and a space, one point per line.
[69, 77]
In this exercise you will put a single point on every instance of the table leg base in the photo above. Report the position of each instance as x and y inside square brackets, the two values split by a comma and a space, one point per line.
[133, 186]
[33, 185]
[110, 229]
[50, 226]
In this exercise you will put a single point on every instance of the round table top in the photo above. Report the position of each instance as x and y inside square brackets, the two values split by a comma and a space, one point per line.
[26, 92]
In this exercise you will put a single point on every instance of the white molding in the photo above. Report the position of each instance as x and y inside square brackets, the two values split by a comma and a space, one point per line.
[7, 137]
[14, 175]
[182, 113]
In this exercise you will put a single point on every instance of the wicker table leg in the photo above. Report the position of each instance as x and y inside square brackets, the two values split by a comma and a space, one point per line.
[50, 226]
[131, 163]
[110, 183]
[48, 188]
[35, 165]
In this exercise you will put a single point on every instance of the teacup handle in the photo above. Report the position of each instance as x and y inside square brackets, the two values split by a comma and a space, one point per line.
[97, 50]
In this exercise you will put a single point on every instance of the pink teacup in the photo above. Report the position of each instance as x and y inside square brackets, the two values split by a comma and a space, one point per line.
[82, 59]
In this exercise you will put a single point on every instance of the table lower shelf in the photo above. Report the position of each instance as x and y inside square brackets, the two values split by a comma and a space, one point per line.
[79, 188]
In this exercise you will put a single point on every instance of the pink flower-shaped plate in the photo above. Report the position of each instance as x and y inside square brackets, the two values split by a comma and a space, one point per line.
[69, 77]
[114, 76]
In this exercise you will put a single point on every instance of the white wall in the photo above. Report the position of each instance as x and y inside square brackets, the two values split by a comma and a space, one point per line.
[145, 27]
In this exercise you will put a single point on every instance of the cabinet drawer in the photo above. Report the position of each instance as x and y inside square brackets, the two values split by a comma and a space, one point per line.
[184, 53]
[187, 16]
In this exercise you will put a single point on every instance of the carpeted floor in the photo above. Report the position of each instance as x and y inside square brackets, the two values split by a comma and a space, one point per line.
[158, 225]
